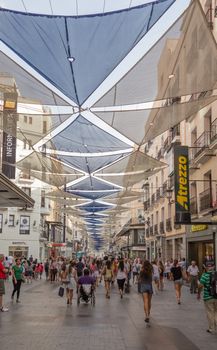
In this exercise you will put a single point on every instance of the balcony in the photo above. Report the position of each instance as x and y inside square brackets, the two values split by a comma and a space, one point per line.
[158, 194]
[156, 229]
[206, 199]
[200, 145]
[153, 200]
[164, 188]
[175, 133]
[209, 17]
[160, 154]
[169, 225]
[193, 205]
[147, 204]
[214, 131]
[162, 227]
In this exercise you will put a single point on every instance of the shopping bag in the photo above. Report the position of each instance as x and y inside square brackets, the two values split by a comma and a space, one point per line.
[61, 292]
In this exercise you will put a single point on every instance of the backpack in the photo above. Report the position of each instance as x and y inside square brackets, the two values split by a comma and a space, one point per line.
[213, 285]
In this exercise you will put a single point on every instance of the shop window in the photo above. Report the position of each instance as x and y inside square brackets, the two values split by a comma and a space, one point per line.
[11, 219]
[25, 118]
[30, 120]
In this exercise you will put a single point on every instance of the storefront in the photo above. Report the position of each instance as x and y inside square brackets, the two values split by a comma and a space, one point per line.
[200, 245]
[18, 250]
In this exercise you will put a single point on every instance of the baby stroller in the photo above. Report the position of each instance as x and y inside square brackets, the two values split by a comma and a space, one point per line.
[86, 294]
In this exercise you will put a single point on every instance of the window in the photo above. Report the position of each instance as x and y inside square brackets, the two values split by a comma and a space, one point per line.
[11, 220]
[44, 127]
[30, 120]
[1, 221]
[42, 199]
[25, 118]
[24, 225]
[24, 144]
[29, 144]
[27, 190]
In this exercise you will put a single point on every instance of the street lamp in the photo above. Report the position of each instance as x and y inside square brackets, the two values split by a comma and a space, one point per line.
[169, 194]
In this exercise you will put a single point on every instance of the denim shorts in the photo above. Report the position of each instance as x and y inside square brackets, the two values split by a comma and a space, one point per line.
[146, 288]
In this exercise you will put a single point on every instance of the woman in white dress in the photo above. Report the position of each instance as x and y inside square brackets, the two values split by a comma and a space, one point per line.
[72, 285]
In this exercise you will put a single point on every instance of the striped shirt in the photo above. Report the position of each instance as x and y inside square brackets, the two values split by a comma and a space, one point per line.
[205, 281]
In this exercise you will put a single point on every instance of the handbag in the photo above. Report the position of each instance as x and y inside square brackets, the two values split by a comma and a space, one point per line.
[61, 291]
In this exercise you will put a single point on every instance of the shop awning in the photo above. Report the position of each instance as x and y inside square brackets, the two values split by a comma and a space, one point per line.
[12, 196]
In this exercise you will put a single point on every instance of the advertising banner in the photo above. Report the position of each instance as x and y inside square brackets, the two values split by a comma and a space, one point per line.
[9, 135]
[181, 174]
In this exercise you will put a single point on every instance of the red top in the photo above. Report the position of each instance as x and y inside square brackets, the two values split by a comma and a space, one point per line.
[2, 274]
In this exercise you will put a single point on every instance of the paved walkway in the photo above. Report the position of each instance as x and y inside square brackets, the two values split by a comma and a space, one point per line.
[44, 321]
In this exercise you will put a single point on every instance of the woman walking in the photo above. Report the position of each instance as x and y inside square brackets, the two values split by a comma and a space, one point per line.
[161, 271]
[176, 272]
[107, 273]
[17, 278]
[72, 285]
[121, 277]
[145, 279]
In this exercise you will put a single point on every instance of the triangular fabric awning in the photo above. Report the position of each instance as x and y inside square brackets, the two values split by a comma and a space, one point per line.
[135, 162]
[84, 137]
[67, 60]
[48, 170]
[90, 164]
[91, 184]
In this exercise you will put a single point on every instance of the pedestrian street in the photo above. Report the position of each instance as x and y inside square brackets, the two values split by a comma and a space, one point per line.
[43, 321]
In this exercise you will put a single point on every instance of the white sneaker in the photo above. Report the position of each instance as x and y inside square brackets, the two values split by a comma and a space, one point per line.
[4, 309]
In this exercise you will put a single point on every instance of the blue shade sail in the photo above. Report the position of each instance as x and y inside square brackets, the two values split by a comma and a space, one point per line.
[93, 194]
[90, 164]
[95, 207]
[96, 44]
[84, 137]
[91, 184]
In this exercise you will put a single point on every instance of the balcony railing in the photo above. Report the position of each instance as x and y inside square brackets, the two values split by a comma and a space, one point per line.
[164, 188]
[158, 194]
[175, 131]
[209, 17]
[147, 204]
[160, 153]
[214, 130]
[169, 225]
[156, 229]
[153, 198]
[193, 205]
[162, 227]
[205, 199]
[200, 144]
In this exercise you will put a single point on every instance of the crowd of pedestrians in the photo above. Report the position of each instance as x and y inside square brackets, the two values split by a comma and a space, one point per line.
[149, 278]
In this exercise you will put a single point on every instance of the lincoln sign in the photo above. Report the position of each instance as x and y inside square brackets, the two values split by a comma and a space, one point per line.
[181, 173]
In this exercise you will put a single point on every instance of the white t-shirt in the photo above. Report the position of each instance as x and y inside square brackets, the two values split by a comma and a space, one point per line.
[193, 270]
[121, 275]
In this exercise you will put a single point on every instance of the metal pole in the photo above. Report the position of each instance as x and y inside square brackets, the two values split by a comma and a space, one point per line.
[64, 217]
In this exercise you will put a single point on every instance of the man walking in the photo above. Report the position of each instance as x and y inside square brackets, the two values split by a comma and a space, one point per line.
[210, 299]
[193, 272]
[3, 276]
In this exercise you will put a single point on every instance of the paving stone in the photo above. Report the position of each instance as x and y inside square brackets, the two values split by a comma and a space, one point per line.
[44, 321]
